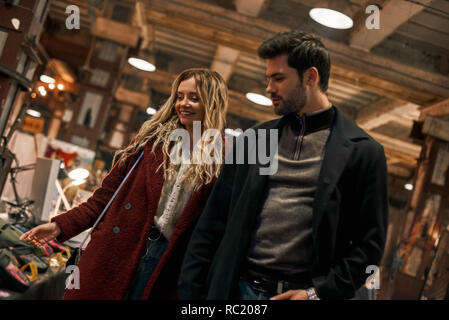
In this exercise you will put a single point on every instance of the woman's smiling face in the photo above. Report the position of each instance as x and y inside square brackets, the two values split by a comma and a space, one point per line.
[188, 105]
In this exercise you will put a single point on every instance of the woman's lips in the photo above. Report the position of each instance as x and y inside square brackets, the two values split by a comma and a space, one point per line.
[186, 114]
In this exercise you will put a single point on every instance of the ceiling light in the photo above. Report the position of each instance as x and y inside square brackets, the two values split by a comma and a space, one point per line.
[334, 14]
[151, 111]
[42, 90]
[47, 79]
[60, 86]
[16, 23]
[51, 86]
[141, 64]
[259, 99]
[34, 113]
[408, 186]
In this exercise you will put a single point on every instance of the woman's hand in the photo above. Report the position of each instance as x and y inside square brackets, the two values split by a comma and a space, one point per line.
[41, 234]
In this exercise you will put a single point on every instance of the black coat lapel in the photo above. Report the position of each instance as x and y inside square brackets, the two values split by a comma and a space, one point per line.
[337, 152]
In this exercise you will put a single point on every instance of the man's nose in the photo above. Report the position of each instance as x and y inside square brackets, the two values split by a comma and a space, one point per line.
[270, 88]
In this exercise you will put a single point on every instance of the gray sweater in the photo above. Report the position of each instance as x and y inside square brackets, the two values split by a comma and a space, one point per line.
[282, 242]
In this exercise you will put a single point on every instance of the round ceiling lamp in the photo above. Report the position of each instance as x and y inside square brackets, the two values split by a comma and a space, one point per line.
[141, 64]
[334, 14]
[258, 99]
[34, 113]
[47, 79]
[151, 111]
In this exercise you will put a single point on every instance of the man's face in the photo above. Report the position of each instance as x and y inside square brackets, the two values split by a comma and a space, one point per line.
[287, 92]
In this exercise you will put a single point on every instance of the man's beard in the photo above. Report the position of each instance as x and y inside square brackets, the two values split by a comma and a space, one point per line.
[295, 103]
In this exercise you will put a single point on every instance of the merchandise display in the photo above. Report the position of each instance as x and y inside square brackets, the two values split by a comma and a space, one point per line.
[26, 271]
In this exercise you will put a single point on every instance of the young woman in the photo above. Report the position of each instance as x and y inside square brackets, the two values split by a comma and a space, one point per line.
[137, 249]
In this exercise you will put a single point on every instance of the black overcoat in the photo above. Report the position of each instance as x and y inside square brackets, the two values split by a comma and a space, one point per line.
[350, 218]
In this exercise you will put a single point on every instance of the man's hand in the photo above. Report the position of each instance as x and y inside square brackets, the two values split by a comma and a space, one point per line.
[292, 295]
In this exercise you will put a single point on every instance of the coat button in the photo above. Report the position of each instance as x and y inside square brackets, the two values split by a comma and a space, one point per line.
[128, 206]
[116, 230]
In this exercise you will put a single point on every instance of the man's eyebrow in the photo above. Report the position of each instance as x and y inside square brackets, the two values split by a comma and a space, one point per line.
[274, 75]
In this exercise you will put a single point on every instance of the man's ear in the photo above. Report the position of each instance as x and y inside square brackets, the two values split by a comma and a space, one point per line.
[311, 77]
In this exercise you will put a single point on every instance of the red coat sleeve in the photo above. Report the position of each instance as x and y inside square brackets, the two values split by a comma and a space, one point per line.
[82, 217]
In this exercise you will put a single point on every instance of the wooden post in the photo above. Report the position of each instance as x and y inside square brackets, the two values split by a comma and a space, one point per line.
[426, 220]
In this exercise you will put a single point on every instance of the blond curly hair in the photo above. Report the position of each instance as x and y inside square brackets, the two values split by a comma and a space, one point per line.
[213, 94]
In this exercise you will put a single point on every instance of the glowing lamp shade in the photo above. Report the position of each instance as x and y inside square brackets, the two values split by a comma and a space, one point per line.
[47, 79]
[258, 98]
[141, 64]
[78, 182]
[78, 174]
[331, 18]
[408, 186]
[151, 111]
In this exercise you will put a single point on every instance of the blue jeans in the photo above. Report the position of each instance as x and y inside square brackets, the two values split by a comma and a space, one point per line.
[247, 292]
[147, 264]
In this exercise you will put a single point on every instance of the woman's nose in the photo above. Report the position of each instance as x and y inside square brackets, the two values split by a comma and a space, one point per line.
[185, 102]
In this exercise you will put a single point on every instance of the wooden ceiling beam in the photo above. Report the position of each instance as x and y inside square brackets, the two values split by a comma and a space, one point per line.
[116, 31]
[398, 147]
[393, 14]
[224, 61]
[383, 111]
[226, 58]
[438, 110]
[245, 33]
[250, 7]
[134, 98]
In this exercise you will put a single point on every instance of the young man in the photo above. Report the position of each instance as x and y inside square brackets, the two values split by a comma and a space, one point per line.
[311, 229]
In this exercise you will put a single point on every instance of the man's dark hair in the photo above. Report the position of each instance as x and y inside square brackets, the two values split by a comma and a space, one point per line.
[304, 51]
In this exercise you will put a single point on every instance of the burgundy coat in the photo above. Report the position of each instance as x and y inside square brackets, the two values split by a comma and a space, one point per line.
[119, 241]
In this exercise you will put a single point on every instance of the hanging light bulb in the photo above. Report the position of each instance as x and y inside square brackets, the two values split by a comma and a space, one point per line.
[141, 64]
[47, 79]
[33, 113]
[334, 14]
